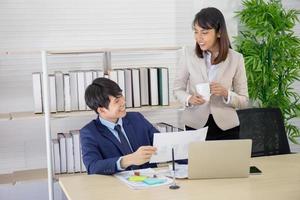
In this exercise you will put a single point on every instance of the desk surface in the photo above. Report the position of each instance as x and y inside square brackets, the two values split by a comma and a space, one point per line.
[280, 180]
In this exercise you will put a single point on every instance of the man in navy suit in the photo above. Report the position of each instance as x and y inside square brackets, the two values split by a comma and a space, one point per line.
[115, 140]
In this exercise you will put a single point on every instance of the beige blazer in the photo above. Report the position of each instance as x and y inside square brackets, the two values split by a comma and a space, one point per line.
[191, 70]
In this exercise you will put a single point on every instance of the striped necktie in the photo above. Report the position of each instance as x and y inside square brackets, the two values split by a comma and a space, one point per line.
[123, 141]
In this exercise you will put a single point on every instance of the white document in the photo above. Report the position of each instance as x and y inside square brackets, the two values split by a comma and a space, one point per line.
[149, 172]
[204, 90]
[164, 142]
[181, 171]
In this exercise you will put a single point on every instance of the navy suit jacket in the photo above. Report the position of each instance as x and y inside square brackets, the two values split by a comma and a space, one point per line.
[101, 149]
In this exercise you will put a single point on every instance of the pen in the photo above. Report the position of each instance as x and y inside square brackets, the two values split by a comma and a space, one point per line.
[173, 162]
[173, 186]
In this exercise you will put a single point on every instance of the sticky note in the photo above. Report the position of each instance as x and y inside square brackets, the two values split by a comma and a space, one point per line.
[153, 181]
[137, 178]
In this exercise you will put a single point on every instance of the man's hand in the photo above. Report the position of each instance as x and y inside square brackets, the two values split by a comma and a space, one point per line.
[139, 157]
[196, 100]
[218, 90]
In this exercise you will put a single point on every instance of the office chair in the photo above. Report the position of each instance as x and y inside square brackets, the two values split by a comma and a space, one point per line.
[265, 127]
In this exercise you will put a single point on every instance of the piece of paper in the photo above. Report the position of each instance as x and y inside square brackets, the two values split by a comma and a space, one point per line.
[164, 142]
[181, 171]
[159, 180]
[204, 90]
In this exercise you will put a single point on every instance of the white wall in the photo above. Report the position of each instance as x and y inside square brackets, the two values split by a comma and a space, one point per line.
[32, 25]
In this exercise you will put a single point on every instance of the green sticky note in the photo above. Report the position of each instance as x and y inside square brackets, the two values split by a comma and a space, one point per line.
[137, 178]
[153, 181]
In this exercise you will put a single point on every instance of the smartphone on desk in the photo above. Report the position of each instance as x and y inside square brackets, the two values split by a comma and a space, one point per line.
[254, 170]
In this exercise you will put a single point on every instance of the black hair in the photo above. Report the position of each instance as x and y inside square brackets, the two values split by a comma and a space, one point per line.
[97, 94]
[212, 18]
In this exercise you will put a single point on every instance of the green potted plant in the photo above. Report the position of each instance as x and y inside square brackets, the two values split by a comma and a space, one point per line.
[272, 57]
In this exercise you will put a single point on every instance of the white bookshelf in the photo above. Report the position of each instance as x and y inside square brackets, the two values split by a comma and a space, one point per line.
[107, 66]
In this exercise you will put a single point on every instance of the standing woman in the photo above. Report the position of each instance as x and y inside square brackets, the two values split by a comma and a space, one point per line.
[212, 61]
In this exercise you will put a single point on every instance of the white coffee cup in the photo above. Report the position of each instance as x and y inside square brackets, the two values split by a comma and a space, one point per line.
[203, 89]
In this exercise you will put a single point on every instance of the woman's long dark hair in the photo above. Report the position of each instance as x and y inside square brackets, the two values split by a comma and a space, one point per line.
[212, 18]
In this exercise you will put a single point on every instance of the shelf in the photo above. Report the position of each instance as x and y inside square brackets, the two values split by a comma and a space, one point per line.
[103, 50]
[31, 115]
[30, 175]
[25, 115]
[57, 176]
[6, 179]
[38, 174]
[5, 116]
[23, 175]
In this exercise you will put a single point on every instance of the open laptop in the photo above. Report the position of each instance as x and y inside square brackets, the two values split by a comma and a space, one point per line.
[219, 159]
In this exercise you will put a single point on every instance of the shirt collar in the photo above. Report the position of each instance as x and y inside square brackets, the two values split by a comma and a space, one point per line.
[207, 56]
[109, 124]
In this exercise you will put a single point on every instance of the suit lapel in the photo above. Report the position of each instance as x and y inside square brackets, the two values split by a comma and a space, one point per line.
[105, 132]
[130, 133]
[222, 67]
[201, 65]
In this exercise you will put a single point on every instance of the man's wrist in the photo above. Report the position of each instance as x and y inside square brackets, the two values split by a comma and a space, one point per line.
[119, 167]
[126, 161]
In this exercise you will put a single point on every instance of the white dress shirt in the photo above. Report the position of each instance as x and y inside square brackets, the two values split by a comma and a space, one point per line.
[212, 71]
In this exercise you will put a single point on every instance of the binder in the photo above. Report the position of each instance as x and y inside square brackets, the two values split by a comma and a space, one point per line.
[83, 168]
[67, 95]
[113, 75]
[144, 86]
[128, 88]
[56, 156]
[136, 90]
[37, 92]
[100, 74]
[81, 90]
[121, 80]
[69, 152]
[74, 90]
[88, 80]
[77, 151]
[63, 152]
[153, 83]
[52, 92]
[59, 82]
[95, 74]
[163, 86]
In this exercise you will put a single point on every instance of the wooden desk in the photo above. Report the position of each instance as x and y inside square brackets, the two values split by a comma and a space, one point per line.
[280, 180]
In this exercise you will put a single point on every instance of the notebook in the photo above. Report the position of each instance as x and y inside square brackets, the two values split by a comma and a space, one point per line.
[219, 159]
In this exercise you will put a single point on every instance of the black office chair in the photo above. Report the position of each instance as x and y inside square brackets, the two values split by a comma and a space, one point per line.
[265, 127]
